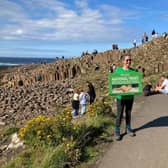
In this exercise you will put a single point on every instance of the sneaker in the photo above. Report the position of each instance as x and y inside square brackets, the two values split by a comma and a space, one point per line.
[117, 136]
[130, 132]
[82, 114]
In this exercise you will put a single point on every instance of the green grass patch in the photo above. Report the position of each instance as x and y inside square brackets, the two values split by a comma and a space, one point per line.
[77, 142]
[10, 130]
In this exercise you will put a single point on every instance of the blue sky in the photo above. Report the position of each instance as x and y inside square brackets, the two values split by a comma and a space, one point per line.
[56, 28]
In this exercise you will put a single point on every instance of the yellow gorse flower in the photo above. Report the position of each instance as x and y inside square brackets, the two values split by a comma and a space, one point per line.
[37, 126]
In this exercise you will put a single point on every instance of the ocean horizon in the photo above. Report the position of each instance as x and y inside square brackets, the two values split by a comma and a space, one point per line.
[16, 61]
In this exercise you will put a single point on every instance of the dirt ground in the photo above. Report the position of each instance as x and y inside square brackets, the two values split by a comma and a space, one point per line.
[149, 148]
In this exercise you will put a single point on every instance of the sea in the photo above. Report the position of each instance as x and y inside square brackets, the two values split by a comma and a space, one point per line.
[15, 61]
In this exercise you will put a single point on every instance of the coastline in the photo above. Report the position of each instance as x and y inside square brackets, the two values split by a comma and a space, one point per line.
[5, 69]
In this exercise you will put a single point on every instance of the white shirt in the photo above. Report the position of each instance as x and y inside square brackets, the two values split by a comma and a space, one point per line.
[165, 84]
[83, 98]
[76, 96]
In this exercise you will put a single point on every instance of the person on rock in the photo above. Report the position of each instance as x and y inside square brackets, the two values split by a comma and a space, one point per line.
[91, 92]
[163, 87]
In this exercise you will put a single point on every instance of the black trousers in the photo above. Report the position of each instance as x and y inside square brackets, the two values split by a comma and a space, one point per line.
[92, 99]
[124, 105]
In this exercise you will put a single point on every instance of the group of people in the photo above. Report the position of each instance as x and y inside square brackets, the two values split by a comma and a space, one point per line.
[81, 99]
[124, 102]
[145, 37]
[95, 51]
[115, 46]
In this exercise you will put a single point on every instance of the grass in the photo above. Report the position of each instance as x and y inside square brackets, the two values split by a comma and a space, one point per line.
[102, 126]
[6, 131]
[81, 147]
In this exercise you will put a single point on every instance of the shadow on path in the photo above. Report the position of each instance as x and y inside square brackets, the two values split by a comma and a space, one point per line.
[159, 122]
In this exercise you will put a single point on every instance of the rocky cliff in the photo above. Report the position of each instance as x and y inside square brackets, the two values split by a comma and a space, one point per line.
[29, 90]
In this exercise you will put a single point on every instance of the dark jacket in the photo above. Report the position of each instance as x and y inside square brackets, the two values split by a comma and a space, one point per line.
[91, 92]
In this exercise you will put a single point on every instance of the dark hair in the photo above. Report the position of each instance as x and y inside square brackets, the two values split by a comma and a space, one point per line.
[164, 76]
[89, 84]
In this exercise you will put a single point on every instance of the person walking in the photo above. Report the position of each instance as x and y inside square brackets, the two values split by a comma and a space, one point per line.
[124, 102]
[91, 92]
[75, 103]
[83, 97]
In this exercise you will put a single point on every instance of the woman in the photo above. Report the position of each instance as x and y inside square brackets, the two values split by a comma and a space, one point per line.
[124, 102]
[91, 92]
[75, 103]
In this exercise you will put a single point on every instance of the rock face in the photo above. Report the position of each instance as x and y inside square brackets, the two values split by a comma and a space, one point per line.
[29, 90]
[25, 75]
[15, 142]
[10, 148]
[149, 58]
[20, 104]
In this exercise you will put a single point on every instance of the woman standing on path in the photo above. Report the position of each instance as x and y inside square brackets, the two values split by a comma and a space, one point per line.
[124, 102]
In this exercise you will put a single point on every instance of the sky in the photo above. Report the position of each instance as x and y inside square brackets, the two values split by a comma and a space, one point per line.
[56, 28]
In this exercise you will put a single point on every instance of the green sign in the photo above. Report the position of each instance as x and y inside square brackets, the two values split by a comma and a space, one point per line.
[125, 83]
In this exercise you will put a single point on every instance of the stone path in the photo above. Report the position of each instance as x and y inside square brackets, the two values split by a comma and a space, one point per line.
[149, 149]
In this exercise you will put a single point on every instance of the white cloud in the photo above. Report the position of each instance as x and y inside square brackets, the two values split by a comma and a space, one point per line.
[81, 3]
[54, 20]
[19, 31]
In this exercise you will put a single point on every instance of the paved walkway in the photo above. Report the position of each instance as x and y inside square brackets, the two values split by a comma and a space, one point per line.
[149, 149]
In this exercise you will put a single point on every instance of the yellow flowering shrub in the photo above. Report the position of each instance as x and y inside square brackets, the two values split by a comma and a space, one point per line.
[40, 128]
[64, 116]
[73, 153]
[64, 155]
[64, 123]
[47, 129]
[79, 129]
[67, 140]
[95, 109]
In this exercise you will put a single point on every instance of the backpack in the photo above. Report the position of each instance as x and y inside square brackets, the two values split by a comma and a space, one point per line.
[147, 90]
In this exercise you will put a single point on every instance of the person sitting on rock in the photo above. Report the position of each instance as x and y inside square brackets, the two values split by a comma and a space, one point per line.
[163, 88]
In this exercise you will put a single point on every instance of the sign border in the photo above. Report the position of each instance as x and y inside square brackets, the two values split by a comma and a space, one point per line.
[125, 74]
